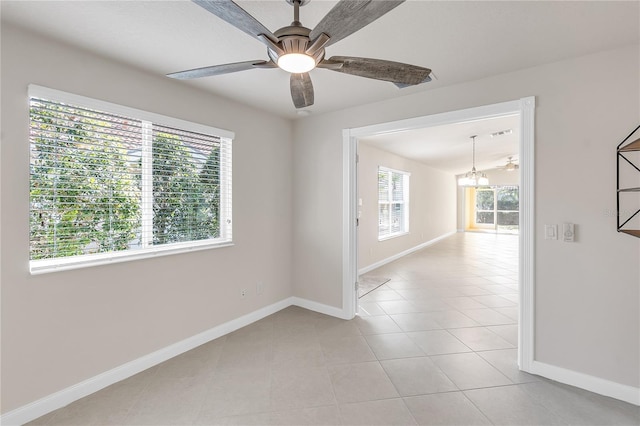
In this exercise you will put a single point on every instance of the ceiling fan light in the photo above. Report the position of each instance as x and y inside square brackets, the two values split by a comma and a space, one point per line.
[296, 63]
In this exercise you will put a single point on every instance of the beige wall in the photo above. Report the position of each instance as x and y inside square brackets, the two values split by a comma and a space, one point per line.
[61, 328]
[432, 206]
[587, 293]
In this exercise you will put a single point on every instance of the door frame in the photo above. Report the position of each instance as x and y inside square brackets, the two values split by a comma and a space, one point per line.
[525, 109]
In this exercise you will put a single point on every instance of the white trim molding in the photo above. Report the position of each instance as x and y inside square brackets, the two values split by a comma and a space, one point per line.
[526, 278]
[404, 253]
[594, 384]
[349, 224]
[319, 307]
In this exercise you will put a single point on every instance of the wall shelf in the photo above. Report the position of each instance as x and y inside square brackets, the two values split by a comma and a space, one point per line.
[633, 146]
[625, 215]
[634, 232]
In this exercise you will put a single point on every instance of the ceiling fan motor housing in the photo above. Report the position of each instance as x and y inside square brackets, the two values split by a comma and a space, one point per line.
[294, 39]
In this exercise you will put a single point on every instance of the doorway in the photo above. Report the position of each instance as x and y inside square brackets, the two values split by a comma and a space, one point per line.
[524, 108]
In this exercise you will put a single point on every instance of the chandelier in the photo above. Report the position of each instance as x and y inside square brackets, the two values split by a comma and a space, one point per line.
[473, 177]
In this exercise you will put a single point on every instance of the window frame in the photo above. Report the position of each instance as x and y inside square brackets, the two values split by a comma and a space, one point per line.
[390, 202]
[494, 189]
[226, 137]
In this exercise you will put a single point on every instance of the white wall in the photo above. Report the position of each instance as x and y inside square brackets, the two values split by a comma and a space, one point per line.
[61, 328]
[587, 301]
[432, 206]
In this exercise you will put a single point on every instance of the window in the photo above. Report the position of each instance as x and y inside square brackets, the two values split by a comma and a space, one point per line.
[497, 208]
[485, 206]
[114, 183]
[393, 203]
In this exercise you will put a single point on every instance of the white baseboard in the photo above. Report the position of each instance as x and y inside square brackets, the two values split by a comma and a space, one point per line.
[593, 384]
[319, 307]
[64, 397]
[403, 253]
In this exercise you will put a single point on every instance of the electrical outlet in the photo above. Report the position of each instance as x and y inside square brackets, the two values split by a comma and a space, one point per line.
[259, 287]
[243, 293]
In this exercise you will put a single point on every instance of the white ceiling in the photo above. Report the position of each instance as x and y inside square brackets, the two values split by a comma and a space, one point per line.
[449, 148]
[460, 41]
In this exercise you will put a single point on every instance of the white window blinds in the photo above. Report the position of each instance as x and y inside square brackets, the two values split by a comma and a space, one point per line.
[108, 182]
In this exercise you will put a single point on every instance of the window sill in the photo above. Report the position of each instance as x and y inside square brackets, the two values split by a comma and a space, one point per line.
[391, 236]
[45, 266]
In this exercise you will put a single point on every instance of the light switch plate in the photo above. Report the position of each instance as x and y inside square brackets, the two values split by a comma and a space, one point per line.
[551, 232]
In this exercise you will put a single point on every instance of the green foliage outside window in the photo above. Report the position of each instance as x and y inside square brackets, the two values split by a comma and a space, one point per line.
[86, 185]
[508, 198]
[185, 200]
[80, 202]
[484, 199]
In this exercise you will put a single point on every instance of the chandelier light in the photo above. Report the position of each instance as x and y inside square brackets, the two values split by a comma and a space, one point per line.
[473, 177]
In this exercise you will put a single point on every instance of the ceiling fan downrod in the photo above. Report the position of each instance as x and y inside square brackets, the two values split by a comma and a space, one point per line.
[296, 13]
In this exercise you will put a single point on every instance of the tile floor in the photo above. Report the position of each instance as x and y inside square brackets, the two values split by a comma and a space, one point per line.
[436, 345]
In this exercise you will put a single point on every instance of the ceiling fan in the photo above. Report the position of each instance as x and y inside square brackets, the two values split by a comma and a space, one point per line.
[510, 166]
[298, 50]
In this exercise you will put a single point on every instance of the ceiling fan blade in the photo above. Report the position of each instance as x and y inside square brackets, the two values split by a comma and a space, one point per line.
[403, 85]
[378, 69]
[301, 90]
[221, 69]
[229, 11]
[348, 16]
